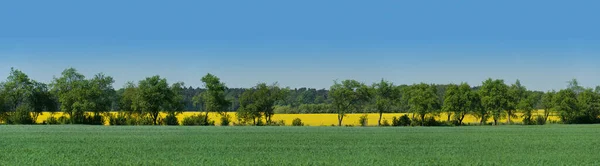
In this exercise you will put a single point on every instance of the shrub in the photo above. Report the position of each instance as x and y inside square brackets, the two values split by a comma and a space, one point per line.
[225, 120]
[364, 120]
[21, 116]
[197, 120]
[385, 123]
[297, 122]
[540, 120]
[93, 119]
[119, 119]
[429, 121]
[277, 123]
[404, 120]
[171, 120]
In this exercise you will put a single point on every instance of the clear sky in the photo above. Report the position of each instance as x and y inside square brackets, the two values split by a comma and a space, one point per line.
[307, 43]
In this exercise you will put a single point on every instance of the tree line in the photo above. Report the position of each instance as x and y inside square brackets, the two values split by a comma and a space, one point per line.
[89, 101]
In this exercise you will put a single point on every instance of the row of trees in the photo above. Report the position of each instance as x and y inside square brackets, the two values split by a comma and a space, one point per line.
[86, 101]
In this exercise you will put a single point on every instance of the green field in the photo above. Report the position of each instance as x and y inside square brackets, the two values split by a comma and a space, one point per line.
[160, 145]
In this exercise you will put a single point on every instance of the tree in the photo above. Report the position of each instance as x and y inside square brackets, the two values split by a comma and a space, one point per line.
[516, 93]
[77, 95]
[575, 87]
[460, 101]
[589, 105]
[494, 97]
[24, 99]
[387, 96]
[566, 105]
[100, 93]
[261, 100]
[423, 100]
[213, 99]
[70, 89]
[128, 96]
[154, 95]
[526, 105]
[548, 104]
[346, 97]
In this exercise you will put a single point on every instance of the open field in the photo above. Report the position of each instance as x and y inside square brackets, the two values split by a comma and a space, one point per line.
[179, 145]
[323, 119]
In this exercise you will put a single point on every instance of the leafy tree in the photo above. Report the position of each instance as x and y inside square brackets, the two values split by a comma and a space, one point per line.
[589, 105]
[567, 105]
[261, 100]
[70, 89]
[548, 104]
[460, 101]
[527, 106]
[77, 95]
[128, 96]
[154, 95]
[516, 93]
[213, 99]
[423, 100]
[494, 97]
[347, 97]
[387, 97]
[100, 93]
[23, 97]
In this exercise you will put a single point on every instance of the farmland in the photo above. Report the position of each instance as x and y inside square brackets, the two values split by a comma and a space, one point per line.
[316, 119]
[179, 145]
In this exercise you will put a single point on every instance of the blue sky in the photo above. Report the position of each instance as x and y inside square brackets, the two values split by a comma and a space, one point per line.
[307, 43]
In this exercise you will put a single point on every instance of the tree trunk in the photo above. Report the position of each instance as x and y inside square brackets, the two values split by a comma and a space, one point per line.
[380, 115]
[340, 118]
[206, 118]
[508, 121]
[423, 120]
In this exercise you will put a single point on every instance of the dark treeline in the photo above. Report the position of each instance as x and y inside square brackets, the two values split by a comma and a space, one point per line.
[89, 101]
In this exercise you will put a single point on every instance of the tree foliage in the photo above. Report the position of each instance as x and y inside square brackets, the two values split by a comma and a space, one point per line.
[423, 101]
[494, 98]
[347, 97]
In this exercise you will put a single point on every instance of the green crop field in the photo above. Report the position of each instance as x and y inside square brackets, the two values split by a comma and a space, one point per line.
[161, 145]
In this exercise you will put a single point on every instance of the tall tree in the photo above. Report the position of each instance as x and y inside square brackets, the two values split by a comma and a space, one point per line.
[386, 98]
[346, 97]
[567, 105]
[261, 100]
[213, 99]
[516, 93]
[154, 95]
[460, 101]
[526, 105]
[589, 105]
[548, 104]
[423, 100]
[494, 97]
[128, 96]
[70, 89]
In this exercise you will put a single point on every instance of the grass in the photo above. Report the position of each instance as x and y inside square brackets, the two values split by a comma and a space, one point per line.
[161, 145]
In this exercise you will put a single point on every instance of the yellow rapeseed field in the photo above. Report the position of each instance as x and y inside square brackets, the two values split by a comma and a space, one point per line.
[319, 119]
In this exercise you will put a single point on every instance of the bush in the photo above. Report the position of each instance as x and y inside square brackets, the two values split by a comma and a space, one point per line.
[171, 120]
[429, 121]
[197, 120]
[385, 123]
[404, 120]
[21, 116]
[297, 122]
[364, 120]
[540, 120]
[120, 119]
[277, 123]
[225, 120]
[93, 119]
